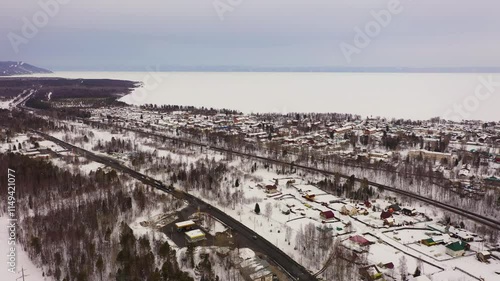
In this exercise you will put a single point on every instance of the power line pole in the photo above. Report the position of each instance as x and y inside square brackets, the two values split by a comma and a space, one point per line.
[23, 275]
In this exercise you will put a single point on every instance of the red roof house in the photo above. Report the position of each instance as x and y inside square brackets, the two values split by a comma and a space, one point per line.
[326, 215]
[360, 240]
[385, 215]
[389, 265]
[368, 204]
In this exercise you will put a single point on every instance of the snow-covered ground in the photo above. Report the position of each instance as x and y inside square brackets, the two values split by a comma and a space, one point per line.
[385, 249]
[282, 229]
[22, 259]
[210, 224]
[85, 168]
[217, 262]
[5, 104]
[19, 139]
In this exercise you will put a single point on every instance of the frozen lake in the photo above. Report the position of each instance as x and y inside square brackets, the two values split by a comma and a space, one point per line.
[400, 95]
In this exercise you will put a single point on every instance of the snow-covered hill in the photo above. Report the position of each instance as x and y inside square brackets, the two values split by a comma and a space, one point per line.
[9, 68]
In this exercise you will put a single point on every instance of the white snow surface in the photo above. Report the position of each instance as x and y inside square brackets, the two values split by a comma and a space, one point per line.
[429, 94]
[23, 261]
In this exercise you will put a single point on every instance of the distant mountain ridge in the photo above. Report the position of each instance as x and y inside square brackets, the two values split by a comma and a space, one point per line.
[237, 68]
[9, 68]
[338, 69]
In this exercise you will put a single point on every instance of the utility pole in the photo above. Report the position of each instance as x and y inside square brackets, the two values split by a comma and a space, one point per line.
[23, 275]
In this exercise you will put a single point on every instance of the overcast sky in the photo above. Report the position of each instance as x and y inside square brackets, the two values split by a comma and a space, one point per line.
[125, 34]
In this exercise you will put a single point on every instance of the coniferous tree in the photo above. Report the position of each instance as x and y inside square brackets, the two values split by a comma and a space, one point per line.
[257, 208]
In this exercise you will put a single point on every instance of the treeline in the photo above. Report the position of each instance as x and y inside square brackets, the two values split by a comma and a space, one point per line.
[348, 188]
[113, 146]
[336, 261]
[69, 224]
[207, 176]
[190, 109]
[67, 108]
[136, 259]
[19, 121]
[68, 88]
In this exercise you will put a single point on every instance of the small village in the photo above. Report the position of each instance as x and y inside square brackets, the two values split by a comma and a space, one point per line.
[383, 235]
[466, 153]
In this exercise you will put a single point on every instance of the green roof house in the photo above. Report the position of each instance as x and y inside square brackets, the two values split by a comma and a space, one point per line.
[456, 249]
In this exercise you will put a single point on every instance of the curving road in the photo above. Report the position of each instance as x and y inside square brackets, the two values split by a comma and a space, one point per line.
[287, 264]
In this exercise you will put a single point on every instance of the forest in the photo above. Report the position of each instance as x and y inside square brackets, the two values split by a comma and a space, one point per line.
[74, 226]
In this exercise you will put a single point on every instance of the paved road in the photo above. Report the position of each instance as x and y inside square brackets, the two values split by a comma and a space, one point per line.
[243, 234]
[493, 223]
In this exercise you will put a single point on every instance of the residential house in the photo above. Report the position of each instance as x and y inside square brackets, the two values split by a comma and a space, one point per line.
[271, 189]
[483, 256]
[439, 227]
[457, 249]
[343, 130]
[370, 131]
[442, 239]
[430, 155]
[428, 242]
[360, 240]
[349, 210]
[309, 196]
[371, 273]
[385, 215]
[388, 265]
[493, 181]
[394, 208]
[462, 235]
[327, 215]
[409, 212]
[389, 222]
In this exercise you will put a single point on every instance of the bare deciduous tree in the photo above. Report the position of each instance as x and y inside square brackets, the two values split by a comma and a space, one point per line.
[403, 268]
[269, 210]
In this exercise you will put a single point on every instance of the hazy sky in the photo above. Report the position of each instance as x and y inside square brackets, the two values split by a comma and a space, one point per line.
[125, 34]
